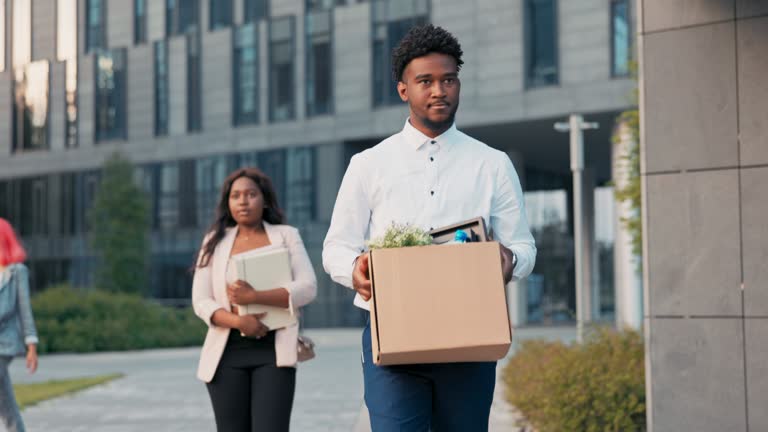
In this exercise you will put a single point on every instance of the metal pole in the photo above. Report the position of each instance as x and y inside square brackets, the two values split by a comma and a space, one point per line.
[575, 127]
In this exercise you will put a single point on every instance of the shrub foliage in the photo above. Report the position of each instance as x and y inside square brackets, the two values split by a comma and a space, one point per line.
[596, 386]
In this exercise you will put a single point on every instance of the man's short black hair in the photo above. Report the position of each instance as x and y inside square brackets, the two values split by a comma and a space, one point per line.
[420, 41]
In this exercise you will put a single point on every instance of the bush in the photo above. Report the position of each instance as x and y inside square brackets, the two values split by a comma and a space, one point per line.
[70, 320]
[596, 386]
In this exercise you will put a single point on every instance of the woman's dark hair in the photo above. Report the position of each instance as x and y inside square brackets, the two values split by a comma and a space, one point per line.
[420, 41]
[272, 212]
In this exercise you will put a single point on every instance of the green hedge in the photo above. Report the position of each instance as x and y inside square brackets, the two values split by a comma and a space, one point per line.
[70, 320]
[596, 386]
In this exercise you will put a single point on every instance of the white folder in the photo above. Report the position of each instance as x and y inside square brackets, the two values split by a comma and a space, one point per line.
[264, 269]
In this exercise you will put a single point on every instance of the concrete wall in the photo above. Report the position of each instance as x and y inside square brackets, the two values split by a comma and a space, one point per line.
[705, 167]
[44, 28]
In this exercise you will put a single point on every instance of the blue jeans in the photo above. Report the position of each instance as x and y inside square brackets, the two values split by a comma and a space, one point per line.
[9, 410]
[439, 397]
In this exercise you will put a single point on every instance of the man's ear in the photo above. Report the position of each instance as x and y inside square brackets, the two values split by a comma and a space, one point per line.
[402, 90]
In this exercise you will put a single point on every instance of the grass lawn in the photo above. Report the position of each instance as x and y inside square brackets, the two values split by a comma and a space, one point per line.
[30, 394]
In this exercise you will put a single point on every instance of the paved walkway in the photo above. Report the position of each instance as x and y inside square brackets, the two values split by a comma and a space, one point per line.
[160, 392]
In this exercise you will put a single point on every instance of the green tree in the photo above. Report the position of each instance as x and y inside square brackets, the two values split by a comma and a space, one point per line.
[119, 229]
[630, 192]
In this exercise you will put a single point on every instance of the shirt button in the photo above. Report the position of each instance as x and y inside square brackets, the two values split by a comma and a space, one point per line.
[431, 159]
[431, 192]
[433, 142]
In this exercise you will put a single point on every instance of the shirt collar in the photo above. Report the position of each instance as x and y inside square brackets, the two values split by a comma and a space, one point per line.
[415, 138]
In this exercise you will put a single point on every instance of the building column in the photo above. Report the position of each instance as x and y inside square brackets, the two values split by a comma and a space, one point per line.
[626, 277]
[703, 105]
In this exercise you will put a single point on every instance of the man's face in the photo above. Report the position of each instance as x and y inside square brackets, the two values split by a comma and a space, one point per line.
[431, 87]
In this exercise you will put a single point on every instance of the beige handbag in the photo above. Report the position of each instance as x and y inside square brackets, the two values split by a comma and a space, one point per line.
[305, 349]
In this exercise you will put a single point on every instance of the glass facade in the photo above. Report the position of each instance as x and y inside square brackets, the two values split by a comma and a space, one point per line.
[30, 107]
[181, 16]
[220, 14]
[161, 87]
[194, 103]
[183, 195]
[621, 38]
[282, 105]
[300, 185]
[391, 21]
[66, 51]
[550, 291]
[110, 95]
[541, 55]
[245, 75]
[255, 10]
[139, 21]
[319, 61]
[96, 27]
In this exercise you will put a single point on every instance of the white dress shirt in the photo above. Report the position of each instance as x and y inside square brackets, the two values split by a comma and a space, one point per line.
[426, 182]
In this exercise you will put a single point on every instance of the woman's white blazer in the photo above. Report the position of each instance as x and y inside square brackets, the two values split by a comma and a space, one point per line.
[209, 294]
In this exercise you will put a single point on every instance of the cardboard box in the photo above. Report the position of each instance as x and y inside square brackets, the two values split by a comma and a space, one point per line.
[438, 304]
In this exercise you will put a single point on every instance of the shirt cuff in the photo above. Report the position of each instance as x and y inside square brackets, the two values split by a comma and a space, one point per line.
[31, 340]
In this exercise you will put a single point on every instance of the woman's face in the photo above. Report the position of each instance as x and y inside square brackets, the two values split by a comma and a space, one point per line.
[246, 202]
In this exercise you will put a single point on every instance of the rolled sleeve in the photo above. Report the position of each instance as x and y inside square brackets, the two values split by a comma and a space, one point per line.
[510, 223]
[345, 240]
[25, 305]
[303, 289]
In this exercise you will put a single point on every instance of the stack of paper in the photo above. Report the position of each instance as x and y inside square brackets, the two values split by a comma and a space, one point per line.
[264, 269]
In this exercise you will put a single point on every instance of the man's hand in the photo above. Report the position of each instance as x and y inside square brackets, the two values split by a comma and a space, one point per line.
[240, 292]
[360, 281]
[32, 358]
[506, 264]
[251, 325]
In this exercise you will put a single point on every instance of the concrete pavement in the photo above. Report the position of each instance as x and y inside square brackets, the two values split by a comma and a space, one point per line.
[160, 392]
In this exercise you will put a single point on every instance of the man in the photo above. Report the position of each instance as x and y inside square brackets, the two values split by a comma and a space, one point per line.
[428, 175]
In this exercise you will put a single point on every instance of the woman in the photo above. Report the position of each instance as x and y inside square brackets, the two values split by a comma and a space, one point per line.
[17, 327]
[251, 378]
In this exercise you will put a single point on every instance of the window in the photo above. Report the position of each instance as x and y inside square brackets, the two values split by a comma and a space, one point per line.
[30, 106]
[161, 87]
[391, 21]
[255, 10]
[319, 62]
[210, 174]
[541, 43]
[168, 199]
[181, 16]
[194, 109]
[187, 198]
[300, 175]
[139, 21]
[320, 5]
[146, 178]
[220, 13]
[95, 27]
[109, 106]
[281, 66]
[66, 51]
[86, 184]
[33, 214]
[245, 75]
[620, 38]
[272, 163]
